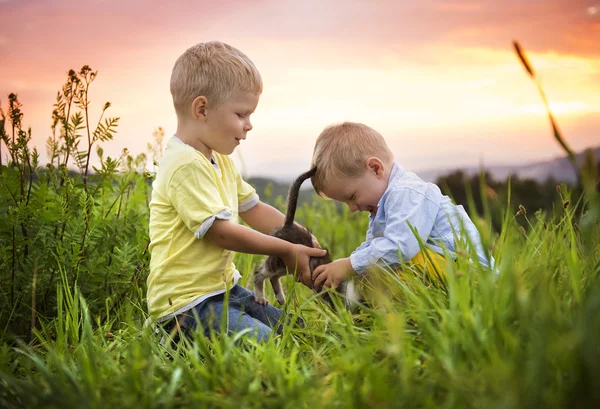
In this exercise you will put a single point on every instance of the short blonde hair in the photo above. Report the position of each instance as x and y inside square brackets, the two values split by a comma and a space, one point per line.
[215, 70]
[342, 150]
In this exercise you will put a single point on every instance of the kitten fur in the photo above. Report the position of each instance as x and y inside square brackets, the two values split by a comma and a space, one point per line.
[273, 267]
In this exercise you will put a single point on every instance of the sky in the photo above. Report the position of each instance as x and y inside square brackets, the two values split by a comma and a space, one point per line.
[439, 79]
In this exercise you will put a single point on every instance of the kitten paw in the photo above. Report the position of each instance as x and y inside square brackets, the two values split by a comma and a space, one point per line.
[261, 300]
[281, 299]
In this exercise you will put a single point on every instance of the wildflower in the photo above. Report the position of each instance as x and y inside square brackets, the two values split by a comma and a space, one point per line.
[522, 209]
[522, 229]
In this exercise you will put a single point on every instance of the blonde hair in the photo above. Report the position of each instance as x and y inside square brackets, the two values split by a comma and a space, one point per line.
[215, 70]
[342, 150]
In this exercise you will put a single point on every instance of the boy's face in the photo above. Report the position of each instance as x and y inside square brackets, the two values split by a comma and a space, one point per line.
[360, 193]
[226, 125]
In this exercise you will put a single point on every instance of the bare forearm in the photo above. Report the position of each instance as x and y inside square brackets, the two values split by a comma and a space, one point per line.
[264, 218]
[239, 238]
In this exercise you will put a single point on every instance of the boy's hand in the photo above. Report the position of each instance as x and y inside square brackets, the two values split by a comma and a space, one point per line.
[315, 242]
[297, 260]
[333, 274]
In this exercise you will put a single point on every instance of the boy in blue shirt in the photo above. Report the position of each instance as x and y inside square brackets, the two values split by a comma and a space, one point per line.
[355, 166]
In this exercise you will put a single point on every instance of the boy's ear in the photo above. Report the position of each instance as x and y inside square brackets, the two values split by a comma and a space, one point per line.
[199, 106]
[375, 165]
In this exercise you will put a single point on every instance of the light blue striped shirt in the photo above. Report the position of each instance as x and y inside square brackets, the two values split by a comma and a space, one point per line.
[410, 200]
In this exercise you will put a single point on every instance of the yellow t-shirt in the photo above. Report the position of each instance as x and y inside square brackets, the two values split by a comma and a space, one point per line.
[188, 194]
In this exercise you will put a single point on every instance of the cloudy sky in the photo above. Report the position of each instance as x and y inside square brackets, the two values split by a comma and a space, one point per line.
[437, 78]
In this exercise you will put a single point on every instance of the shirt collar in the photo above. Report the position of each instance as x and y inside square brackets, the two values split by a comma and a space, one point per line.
[212, 159]
[397, 171]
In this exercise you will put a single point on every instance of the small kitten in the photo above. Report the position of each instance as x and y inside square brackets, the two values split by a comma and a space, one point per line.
[273, 267]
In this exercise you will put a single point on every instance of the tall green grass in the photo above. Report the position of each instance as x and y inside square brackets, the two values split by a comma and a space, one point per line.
[526, 337]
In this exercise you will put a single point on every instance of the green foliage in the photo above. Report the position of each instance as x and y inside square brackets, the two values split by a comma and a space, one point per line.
[501, 196]
[525, 337]
[90, 228]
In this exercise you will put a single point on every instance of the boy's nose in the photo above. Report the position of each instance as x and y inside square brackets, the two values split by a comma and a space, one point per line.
[353, 207]
[248, 126]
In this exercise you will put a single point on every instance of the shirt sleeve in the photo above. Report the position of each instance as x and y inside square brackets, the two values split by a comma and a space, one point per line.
[247, 196]
[196, 198]
[405, 208]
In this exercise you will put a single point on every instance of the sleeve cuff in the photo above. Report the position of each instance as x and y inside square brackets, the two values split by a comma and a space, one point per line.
[357, 264]
[248, 204]
[222, 215]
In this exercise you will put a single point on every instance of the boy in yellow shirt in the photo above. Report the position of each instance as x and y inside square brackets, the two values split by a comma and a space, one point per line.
[198, 195]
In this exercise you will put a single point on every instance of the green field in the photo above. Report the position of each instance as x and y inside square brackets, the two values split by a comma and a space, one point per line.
[527, 337]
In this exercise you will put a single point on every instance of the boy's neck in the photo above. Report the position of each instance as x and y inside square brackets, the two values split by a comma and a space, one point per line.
[190, 137]
[388, 172]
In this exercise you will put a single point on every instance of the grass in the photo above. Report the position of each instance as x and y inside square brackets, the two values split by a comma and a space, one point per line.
[526, 337]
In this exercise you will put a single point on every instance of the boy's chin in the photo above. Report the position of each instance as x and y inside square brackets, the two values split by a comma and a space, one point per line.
[226, 152]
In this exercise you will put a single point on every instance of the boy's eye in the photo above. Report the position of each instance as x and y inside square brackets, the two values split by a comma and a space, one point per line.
[241, 116]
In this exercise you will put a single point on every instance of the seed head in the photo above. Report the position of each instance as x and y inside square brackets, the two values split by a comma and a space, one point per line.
[524, 60]
[491, 193]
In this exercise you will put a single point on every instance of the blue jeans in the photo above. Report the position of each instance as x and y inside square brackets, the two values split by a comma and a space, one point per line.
[242, 312]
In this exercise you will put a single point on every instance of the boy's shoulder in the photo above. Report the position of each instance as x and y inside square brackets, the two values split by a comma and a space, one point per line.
[401, 179]
[402, 182]
[177, 150]
[179, 157]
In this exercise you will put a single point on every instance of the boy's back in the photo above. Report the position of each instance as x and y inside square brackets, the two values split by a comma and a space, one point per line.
[409, 199]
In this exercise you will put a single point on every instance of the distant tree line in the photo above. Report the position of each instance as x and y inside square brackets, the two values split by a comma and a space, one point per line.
[528, 194]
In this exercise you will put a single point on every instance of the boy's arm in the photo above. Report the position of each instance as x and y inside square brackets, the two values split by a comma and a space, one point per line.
[266, 219]
[408, 210]
[263, 217]
[239, 238]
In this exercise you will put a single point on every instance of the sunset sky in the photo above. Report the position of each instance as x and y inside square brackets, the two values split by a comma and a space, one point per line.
[439, 79]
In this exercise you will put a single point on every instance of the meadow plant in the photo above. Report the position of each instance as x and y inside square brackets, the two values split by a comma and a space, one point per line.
[89, 227]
